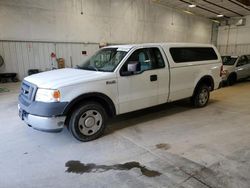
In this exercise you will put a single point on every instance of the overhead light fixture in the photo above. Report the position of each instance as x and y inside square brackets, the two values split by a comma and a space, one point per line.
[192, 6]
[216, 21]
[220, 15]
[188, 12]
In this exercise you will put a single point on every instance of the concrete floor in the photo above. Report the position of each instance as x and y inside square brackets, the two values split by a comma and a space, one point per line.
[169, 146]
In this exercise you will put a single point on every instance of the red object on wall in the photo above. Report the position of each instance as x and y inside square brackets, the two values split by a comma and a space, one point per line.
[52, 55]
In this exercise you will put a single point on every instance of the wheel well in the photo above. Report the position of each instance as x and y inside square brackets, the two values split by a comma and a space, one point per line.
[208, 80]
[233, 74]
[102, 99]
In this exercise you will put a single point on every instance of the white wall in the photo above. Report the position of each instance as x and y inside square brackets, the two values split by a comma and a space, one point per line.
[234, 40]
[103, 21]
[112, 21]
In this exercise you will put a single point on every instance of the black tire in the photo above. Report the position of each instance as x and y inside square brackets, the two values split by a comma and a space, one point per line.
[88, 122]
[14, 80]
[201, 96]
[4, 80]
[231, 79]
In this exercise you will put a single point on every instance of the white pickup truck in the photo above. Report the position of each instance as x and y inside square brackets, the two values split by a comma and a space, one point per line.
[117, 80]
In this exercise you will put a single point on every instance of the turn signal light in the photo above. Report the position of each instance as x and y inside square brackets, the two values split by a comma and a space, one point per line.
[57, 95]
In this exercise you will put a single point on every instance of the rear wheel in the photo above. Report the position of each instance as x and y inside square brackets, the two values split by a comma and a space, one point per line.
[14, 79]
[231, 79]
[201, 96]
[4, 80]
[88, 122]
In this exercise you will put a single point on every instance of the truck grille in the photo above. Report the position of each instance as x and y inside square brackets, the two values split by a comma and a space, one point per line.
[27, 93]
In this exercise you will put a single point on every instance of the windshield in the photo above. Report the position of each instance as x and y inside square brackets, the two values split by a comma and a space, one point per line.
[228, 60]
[105, 60]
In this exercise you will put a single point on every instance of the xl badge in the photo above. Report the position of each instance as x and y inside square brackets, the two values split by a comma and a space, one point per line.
[110, 82]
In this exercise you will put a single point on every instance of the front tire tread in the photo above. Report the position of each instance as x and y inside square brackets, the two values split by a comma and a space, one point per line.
[77, 113]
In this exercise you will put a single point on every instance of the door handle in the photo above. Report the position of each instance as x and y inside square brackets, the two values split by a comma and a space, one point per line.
[153, 78]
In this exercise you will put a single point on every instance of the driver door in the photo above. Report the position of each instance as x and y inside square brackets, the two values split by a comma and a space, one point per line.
[140, 89]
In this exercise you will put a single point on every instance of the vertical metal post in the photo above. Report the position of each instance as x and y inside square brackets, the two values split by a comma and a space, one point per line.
[214, 34]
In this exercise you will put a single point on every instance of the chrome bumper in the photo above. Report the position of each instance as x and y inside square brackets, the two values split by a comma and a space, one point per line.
[47, 124]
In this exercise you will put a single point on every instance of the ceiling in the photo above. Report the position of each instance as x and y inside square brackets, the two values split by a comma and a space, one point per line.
[211, 8]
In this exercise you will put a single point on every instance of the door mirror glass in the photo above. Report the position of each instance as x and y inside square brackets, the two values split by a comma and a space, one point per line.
[133, 66]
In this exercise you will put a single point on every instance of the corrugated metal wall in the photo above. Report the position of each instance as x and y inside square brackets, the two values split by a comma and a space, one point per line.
[19, 57]
[238, 49]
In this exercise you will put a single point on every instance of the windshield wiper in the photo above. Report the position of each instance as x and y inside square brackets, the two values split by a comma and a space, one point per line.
[87, 68]
[92, 68]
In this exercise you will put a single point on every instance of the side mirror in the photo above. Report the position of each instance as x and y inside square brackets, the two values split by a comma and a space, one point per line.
[132, 68]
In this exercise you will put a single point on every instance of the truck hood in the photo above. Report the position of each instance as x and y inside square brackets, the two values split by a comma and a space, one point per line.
[63, 77]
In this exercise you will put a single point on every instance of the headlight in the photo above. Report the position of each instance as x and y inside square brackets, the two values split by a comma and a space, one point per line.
[48, 95]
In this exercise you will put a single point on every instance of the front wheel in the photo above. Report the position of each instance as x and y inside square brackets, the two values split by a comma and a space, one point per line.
[231, 79]
[88, 122]
[201, 96]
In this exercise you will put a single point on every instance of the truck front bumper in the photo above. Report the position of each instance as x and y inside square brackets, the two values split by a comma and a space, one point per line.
[47, 124]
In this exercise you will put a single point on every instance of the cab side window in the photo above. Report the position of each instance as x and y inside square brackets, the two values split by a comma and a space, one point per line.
[158, 57]
[242, 61]
[146, 58]
[143, 57]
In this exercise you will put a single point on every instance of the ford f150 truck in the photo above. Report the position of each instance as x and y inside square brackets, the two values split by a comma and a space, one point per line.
[117, 80]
